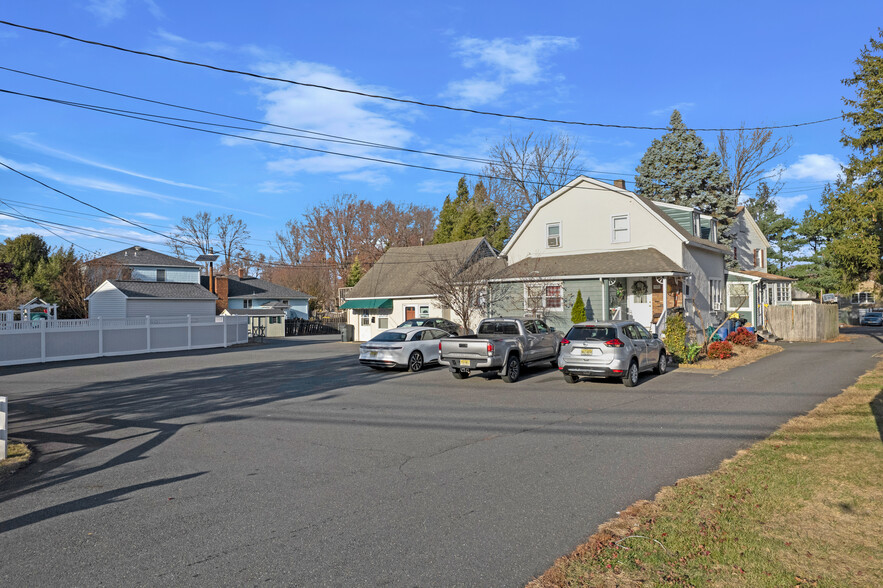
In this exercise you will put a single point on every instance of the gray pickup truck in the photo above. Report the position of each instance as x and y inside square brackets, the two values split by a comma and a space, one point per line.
[500, 345]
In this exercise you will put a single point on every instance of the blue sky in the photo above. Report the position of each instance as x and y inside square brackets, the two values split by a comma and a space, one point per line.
[629, 63]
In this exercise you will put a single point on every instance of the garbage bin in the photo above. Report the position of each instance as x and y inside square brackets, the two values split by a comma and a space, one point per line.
[347, 333]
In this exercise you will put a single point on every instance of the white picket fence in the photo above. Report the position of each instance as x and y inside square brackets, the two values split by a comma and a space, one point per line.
[59, 340]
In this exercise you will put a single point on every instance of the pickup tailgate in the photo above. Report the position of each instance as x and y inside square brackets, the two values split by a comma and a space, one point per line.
[464, 348]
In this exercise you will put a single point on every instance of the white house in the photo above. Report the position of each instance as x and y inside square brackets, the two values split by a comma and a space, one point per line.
[137, 299]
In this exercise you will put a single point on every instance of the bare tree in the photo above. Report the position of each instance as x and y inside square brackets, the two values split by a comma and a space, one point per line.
[462, 284]
[291, 244]
[232, 233]
[524, 170]
[193, 234]
[746, 155]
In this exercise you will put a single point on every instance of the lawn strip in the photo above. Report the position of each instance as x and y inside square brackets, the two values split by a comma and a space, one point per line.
[17, 455]
[801, 508]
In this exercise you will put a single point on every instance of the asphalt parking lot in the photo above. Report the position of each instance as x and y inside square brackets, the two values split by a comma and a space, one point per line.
[289, 463]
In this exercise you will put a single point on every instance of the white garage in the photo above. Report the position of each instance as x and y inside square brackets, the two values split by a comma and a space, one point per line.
[136, 299]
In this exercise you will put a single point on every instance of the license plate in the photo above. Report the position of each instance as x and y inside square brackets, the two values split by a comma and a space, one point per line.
[372, 353]
[464, 362]
[587, 352]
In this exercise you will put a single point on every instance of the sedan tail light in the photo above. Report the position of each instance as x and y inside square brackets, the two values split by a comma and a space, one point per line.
[614, 343]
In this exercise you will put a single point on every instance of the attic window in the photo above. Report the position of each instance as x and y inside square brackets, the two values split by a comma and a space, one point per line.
[553, 235]
[712, 235]
[697, 224]
[619, 229]
[160, 275]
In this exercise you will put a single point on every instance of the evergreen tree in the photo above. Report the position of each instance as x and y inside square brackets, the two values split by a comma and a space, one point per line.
[853, 212]
[814, 270]
[447, 218]
[578, 312]
[25, 253]
[468, 218]
[679, 169]
[355, 274]
[777, 227]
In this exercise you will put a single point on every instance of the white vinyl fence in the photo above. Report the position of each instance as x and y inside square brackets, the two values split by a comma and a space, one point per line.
[41, 341]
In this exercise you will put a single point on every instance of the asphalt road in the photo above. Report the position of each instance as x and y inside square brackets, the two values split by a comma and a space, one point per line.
[290, 464]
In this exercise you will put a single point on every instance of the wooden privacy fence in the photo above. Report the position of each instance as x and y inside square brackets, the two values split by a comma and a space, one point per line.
[58, 340]
[804, 322]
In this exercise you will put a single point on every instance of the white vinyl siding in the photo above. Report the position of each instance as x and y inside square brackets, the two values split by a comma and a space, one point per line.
[620, 231]
[166, 308]
[173, 274]
[107, 304]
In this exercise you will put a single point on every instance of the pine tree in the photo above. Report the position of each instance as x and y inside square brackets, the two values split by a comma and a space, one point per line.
[679, 169]
[776, 226]
[447, 218]
[578, 312]
[468, 218]
[355, 274]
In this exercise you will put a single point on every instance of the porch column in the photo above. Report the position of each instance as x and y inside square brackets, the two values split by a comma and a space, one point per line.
[664, 295]
[605, 300]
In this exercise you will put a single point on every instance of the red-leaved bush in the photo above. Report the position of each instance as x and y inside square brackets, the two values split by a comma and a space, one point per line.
[720, 350]
[743, 336]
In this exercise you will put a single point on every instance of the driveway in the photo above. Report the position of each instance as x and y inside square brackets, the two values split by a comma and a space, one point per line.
[290, 464]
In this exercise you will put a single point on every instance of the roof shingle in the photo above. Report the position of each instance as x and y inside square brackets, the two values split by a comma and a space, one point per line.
[608, 263]
[162, 290]
[139, 256]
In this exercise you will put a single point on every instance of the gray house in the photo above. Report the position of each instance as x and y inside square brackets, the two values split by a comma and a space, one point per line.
[115, 299]
[151, 266]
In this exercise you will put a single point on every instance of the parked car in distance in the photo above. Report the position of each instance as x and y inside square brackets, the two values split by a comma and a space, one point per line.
[502, 345]
[621, 349]
[436, 323]
[872, 319]
[411, 347]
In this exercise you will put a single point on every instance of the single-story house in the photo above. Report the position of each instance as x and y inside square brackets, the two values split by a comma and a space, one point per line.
[135, 298]
[244, 292]
[395, 289]
[750, 293]
[270, 320]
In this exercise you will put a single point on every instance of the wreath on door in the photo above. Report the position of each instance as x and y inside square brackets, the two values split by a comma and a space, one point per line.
[639, 289]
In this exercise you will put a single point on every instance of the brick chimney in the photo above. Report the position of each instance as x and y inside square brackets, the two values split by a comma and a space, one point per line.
[221, 286]
[619, 184]
[241, 272]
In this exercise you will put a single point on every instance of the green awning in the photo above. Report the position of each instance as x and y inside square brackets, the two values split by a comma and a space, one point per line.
[368, 303]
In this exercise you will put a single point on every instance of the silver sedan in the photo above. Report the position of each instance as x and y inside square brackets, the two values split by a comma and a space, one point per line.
[409, 347]
[621, 349]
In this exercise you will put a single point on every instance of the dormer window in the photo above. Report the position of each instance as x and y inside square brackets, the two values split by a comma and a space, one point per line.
[553, 235]
[712, 235]
[160, 275]
[697, 224]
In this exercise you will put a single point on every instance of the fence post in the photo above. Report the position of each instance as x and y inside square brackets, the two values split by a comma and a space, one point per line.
[42, 341]
[100, 337]
[224, 326]
[4, 409]
[189, 333]
[147, 324]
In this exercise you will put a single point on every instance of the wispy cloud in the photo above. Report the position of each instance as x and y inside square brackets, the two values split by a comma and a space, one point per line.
[813, 166]
[504, 63]
[434, 186]
[28, 141]
[151, 216]
[105, 186]
[271, 187]
[787, 204]
[108, 11]
[680, 106]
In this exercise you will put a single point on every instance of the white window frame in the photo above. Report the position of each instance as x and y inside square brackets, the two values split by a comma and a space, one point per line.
[783, 293]
[715, 293]
[628, 228]
[423, 311]
[730, 287]
[712, 234]
[160, 275]
[549, 237]
[697, 224]
[863, 298]
[544, 304]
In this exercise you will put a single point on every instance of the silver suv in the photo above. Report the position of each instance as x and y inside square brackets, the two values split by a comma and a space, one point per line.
[621, 349]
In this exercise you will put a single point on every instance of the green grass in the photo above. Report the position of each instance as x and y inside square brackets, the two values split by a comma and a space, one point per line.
[802, 508]
[17, 455]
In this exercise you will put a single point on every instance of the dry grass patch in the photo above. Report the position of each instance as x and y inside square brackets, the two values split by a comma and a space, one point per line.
[17, 455]
[742, 355]
[802, 508]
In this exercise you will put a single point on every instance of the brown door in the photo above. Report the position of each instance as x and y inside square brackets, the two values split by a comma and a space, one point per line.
[409, 312]
[657, 300]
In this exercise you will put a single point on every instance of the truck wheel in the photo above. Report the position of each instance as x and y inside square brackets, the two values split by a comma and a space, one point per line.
[571, 379]
[415, 362]
[460, 374]
[513, 369]
[630, 379]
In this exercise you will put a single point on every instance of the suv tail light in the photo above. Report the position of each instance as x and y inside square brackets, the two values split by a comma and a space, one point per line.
[614, 343]
[565, 341]
[439, 346]
[490, 349]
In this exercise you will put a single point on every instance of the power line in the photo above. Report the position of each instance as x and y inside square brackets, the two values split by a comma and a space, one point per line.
[391, 98]
[36, 222]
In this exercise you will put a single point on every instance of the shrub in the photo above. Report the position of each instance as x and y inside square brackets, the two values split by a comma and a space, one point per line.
[676, 336]
[720, 350]
[578, 313]
[743, 336]
[693, 350]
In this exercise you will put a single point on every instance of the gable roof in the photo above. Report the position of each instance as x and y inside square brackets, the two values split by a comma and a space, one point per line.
[159, 290]
[249, 287]
[648, 204]
[647, 261]
[752, 224]
[764, 276]
[139, 256]
[399, 271]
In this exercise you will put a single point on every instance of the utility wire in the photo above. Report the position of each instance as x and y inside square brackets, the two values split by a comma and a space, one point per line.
[36, 222]
[394, 99]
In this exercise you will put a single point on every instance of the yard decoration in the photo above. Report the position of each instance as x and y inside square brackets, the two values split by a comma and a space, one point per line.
[743, 336]
[720, 350]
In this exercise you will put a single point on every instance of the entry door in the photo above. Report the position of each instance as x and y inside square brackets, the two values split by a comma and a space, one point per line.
[410, 312]
[364, 326]
[639, 296]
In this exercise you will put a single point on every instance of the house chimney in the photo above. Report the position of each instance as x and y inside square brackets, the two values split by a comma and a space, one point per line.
[619, 184]
[221, 285]
[241, 272]
[211, 279]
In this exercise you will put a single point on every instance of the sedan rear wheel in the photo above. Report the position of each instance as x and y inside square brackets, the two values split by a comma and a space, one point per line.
[415, 362]
[631, 376]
